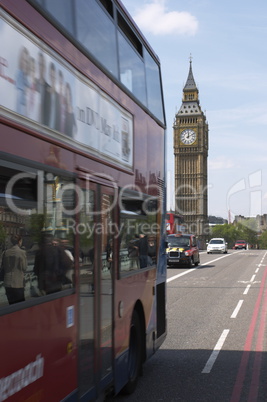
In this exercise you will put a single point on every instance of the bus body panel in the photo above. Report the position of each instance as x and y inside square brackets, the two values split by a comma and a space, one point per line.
[39, 347]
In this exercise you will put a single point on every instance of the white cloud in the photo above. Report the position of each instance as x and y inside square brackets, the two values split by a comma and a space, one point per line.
[155, 18]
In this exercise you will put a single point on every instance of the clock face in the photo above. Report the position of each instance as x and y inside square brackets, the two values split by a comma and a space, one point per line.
[188, 136]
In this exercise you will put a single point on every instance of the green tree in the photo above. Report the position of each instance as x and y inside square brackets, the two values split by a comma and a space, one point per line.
[263, 240]
[231, 233]
[248, 234]
[228, 232]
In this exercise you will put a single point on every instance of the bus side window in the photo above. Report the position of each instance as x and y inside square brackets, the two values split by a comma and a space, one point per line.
[138, 240]
[36, 236]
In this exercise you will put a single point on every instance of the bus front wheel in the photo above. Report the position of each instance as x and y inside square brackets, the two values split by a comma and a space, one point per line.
[135, 354]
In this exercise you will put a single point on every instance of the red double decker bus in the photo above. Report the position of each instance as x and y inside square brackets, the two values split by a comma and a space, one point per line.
[174, 223]
[82, 200]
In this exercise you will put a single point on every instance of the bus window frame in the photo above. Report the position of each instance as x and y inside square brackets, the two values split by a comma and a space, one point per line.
[142, 198]
[18, 164]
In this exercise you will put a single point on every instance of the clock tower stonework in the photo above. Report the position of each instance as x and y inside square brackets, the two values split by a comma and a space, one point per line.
[190, 139]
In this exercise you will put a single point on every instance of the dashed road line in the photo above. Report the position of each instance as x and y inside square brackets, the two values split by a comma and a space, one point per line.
[172, 278]
[215, 352]
[252, 278]
[236, 310]
[246, 290]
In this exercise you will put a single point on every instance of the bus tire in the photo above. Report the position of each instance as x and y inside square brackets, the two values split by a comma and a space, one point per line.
[135, 355]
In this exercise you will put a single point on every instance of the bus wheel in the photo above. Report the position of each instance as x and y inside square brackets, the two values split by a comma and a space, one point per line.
[135, 355]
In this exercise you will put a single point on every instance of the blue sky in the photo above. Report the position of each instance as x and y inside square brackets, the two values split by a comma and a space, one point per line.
[227, 41]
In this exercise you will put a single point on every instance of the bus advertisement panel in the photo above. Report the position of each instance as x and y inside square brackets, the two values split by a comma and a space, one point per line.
[82, 114]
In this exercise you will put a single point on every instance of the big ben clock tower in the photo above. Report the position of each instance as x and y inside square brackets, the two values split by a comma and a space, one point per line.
[190, 135]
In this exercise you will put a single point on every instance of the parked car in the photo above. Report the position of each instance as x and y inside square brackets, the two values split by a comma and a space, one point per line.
[240, 244]
[217, 245]
[182, 249]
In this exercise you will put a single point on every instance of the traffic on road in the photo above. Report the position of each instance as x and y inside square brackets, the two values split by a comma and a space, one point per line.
[216, 344]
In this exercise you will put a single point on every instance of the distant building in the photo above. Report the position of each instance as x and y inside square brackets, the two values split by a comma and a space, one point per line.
[216, 220]
[258, 223]
[261, 222]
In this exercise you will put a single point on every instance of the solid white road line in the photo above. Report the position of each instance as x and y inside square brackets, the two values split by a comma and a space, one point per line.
[172, 278]
[236, 310]
[252, 278]
[246, 290]
[215, 353]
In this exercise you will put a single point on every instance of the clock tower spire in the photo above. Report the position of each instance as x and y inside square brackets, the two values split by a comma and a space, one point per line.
[190, 135]
[190, 83]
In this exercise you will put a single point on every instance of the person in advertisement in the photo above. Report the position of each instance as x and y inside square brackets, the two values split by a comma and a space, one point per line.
[22, 82]
[43, 90]
[62, 102]
[32, 93]
[70, 128]
[53, 100]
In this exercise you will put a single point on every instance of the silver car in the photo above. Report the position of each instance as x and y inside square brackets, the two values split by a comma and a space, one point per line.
[217, 245]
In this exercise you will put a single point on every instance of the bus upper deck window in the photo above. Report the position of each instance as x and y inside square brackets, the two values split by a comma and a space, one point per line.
[96, 31]
[132, 70]
[154, 92]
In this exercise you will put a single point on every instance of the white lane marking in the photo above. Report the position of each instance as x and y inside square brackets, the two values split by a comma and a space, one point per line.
[215, 353]
[257, 270]
[216, 259]
[178, 275]
[252, 278]
[246, 290]
[236, 310]
[172, 278]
